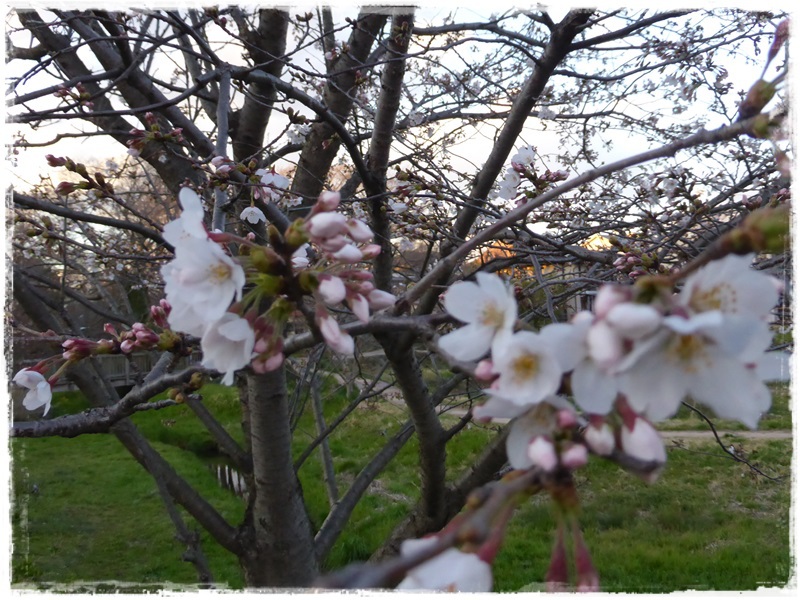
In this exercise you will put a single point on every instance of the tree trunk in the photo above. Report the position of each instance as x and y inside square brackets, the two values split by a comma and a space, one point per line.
[278, 541]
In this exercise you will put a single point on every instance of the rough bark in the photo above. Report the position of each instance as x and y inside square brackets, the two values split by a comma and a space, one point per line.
[278, 542]
[381, 142]
[322, 145]
[266, 45]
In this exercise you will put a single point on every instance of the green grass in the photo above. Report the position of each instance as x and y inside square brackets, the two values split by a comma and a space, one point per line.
[706, 524]
[779, 415]
[97, 516]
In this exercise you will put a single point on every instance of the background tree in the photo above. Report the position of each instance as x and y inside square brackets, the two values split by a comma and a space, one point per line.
[425, 123]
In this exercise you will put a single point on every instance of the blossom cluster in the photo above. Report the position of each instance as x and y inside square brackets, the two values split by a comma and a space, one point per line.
[204, 284]
[632, 360]
[522, 168]
[344, 241]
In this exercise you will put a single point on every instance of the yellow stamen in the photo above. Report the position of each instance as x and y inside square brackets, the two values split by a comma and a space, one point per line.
[525, 367]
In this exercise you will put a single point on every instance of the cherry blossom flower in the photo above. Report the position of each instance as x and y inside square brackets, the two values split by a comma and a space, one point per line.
[200, 284]
[490, 311]
[273, 184]
[39, 391]
[190, 224]
[546, 113]
[398, 208]
[528, 371]
[227, 345]
[451, 571]
[702, 356]
[524, 156]
[300, 257]
[298, 133]
[253, 215]
[732, 287]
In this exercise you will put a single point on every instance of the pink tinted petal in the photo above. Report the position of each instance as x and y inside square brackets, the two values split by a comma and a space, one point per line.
[359, 231]
[565, 342]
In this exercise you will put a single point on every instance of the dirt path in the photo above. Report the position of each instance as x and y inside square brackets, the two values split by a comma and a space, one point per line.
[394, 396]
[768, 434]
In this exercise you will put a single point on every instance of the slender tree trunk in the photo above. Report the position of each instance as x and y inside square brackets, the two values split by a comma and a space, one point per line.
[278, 541]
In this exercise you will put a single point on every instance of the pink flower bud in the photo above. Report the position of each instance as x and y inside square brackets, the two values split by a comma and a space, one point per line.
[54, 161]
[333, 244]
[634, 321]
[360, 307]
[600, 437]
[328, 201]
[127, 346]
[340, 341]
[159, 316]
[542, 453]
[575, 456]
[566, 419]
[109, 329]
[365, 288]
[370, 251]
[608, 296]
[348, 254]
[331, 289]
[265, 365]
[65, 188]
[643, 442]
[484, 370]
[326, 225]
[359, 231]
[379, 299]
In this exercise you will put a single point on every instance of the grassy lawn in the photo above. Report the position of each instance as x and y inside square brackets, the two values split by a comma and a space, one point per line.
[84, 511]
